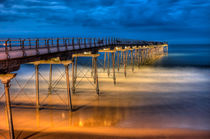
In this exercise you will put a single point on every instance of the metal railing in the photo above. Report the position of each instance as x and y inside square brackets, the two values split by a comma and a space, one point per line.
[19, 44]
[9, 45]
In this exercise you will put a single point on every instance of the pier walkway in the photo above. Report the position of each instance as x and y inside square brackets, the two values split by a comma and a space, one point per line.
[14, 52]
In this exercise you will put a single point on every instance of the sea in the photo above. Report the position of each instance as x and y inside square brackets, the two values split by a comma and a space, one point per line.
[173, 94]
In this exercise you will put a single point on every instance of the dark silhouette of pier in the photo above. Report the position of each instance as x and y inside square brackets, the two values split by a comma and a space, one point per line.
[66, 51]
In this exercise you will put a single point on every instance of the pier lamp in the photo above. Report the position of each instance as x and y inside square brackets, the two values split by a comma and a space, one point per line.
[134, 47]
[106, 49]
[117, 48]
[87, 53]
[127, 47]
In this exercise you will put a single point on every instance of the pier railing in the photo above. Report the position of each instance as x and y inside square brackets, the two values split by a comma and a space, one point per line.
[19, 44]
[16, 48]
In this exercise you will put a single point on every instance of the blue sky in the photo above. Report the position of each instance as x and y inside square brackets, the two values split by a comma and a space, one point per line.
[176, 21]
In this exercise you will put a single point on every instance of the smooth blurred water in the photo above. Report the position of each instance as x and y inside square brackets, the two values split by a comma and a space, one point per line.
[173, 93]
[186, 56]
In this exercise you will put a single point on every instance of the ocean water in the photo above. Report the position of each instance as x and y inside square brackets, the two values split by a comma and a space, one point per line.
[197, 56]
[173, 93]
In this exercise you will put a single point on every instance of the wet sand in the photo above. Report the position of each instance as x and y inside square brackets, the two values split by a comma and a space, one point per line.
[112, 134]
[149, 103]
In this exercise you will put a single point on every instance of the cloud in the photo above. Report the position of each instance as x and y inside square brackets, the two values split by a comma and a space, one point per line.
[2, 1]
[134, 16]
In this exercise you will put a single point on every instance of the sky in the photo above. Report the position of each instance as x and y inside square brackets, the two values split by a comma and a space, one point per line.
[175, 21]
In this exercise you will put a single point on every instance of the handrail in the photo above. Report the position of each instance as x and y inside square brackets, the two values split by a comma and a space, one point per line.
[8, 45]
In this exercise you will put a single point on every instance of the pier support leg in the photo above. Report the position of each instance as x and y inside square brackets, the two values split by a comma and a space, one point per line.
[149, 54]
[104, 61]
[135, 56]
[37, 86]
[73, 80]
[96, 75]
[75, 76]
[5, 79]
[145, 56]
[118, 61]
[142, 56]
[146, 59]
[68, 87]
[121, 61]
[139, 58]
[108, 65]
[113, 65]
[132, 63]
[92, 67]
[124, 61]
[50, 81]
[126, 57]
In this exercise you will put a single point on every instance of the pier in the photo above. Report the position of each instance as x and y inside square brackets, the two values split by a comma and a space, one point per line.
[109, 54]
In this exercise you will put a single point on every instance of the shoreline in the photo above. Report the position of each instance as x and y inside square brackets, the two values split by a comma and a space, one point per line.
[115, 133]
